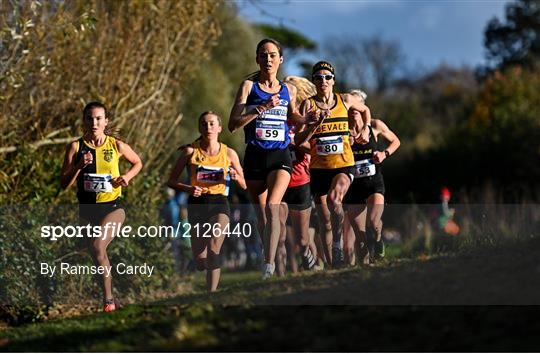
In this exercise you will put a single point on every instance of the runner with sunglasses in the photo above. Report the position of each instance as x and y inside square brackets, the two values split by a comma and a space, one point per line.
[332, 160]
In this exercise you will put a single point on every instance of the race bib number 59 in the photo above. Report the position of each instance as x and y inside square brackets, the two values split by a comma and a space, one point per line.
[97, 182]
[269, 130]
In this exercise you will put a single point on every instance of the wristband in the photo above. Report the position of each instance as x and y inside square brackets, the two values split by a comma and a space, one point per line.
[387, 153]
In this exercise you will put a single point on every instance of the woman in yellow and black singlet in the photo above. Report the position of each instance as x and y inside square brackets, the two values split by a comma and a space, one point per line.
[211, 164]
[92, 163]
[366, 196]
[332, 159]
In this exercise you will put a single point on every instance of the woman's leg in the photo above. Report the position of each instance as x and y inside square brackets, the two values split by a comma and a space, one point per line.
[338, 189]
[199, 248]
[99, 246]
[357, 216]
[291, 249]
[375, 208]
[281, 255]
[325, 226]
[349, 239]
[213, 270]
[300, 224]
[316, 246]
[278, 180]
[258, 192]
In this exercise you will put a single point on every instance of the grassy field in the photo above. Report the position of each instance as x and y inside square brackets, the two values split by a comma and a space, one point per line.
[451, 302]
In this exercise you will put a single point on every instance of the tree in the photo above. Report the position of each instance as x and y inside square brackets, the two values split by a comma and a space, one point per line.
[498, 143]
[135, 56]
[287, 37]
[385, 58]
[365, 62]
[219, 76]
[517, 40]
[347, 56]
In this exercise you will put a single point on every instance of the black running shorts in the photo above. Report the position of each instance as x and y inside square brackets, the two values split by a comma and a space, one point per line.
[299, 197]
[95, 213]
[362, 188]
[258, 162]
[321, 179]
[201, 209]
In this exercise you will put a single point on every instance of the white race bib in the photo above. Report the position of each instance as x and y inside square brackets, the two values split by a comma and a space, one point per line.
[97, 182]
[269, 130]
[364, 168]
[210, 174]
[330, 145]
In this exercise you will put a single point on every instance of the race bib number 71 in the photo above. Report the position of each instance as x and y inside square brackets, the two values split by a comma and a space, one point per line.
[97, 182]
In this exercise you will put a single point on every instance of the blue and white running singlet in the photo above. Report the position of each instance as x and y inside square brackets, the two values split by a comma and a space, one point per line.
[270, 129]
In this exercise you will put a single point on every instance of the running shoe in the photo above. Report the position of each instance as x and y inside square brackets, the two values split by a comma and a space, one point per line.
[109, 306]
[363, 254]
[318, 267]
[308, 261]
[337, 257]
[268, 271]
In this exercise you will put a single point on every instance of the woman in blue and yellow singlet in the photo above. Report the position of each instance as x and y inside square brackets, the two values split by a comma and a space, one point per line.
[262, 106]
[332, 160]
[211, 164]
[92, 162]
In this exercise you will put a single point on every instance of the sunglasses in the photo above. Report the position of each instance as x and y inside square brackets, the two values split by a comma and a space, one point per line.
[320, 77]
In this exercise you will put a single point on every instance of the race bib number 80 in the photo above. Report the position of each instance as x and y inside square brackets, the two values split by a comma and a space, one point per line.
[269, 130]
[331, 145]
[97, 182]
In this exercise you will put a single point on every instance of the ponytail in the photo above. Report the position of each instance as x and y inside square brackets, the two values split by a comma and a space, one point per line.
[182, 147]
[114, 132]
[254, 76]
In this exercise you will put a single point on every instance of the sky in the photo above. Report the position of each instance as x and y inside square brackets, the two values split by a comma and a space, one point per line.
[429, 32]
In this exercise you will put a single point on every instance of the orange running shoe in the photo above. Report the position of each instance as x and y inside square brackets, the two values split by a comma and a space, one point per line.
[109, 306]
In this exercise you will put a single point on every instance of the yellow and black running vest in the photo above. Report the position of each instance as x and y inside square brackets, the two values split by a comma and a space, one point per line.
[94, 181]
[330, 144]
[210, 172]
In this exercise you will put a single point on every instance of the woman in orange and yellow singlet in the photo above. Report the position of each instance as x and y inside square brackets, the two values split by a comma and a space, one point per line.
[211, 165]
